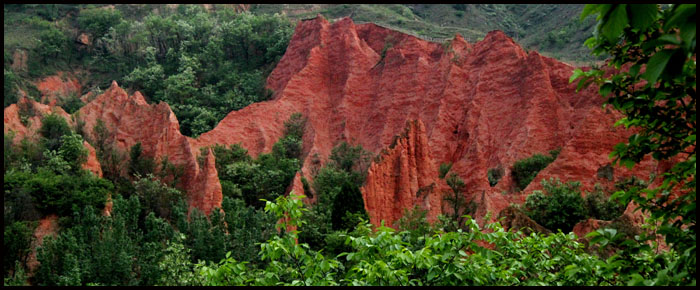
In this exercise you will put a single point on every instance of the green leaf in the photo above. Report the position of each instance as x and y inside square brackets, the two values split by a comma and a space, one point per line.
[604, 10]
[656, 65]
[681, 13]
[590, 9]
[606, 89]
[613, 25]
[590, 42]
[576, 74]
[669, 38]
[688, 33]
[642, 15]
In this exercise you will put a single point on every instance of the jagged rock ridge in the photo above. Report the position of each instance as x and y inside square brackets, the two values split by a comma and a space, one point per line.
[479, 106]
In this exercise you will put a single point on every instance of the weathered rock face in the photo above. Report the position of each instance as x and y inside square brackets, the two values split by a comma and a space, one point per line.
[92, 163]
[516, 219]
[48, 226]
[403, 176]
[483, 105]
[130, 120]
[479, 106]
[32, 112]
[58, 87]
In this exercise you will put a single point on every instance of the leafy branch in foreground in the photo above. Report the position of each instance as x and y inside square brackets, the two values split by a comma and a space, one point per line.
[651, 79]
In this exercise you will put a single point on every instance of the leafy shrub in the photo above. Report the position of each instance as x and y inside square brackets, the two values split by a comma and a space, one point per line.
[294, 126]
[351, 159]
[557, 206]
[98, 21]
[339, 203]
[599, 206]
[444, 168]
[156, 197]
[525, 170]
[17, 240]
[348, 206]
[10, 88]
[382, 256]
[53, 127]
[415, 223]
[139, 164]
[71, 104]
[90, 241]
[494, 175]
[60, 194]
[52, 43]
[73, 151]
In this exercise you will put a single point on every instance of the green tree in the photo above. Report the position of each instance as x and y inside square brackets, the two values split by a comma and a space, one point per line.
[156, 197]
[653, 83]
[17, 239]
[557, 205]
[98, 21]
[10, 88]
[599, 206]
[139, 164]
[53, 127]
[525, 170]
[52, 43]
[455, 198]
[73, 151]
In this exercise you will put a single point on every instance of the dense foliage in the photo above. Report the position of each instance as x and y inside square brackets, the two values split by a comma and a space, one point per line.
[651, 79]
[339, 205]
[383, 256]
[557, 206]
[494, 175]
[266, 176]
[204, 64]
[525, 170]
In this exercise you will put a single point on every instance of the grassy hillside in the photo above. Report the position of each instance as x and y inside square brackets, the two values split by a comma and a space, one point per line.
[553, 30]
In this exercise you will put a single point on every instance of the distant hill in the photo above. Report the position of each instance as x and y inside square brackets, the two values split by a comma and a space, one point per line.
[554, 30]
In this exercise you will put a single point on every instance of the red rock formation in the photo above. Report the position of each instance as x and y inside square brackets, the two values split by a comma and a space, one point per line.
[47, 226]
[34, 113]
[483, 105]
[58, 87]
[130, 120]
[207, 195]
[92, 163]
[13, 123]
[403, 176]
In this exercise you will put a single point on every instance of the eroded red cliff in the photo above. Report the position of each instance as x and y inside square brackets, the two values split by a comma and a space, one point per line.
[130, 120]
[58, 87]
[32, 112]
[403, 177]
[483, 105]
[479, 106]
